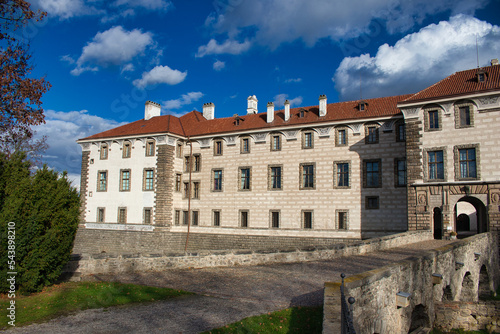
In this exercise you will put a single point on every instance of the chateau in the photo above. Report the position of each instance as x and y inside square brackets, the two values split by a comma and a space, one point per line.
[313, 175]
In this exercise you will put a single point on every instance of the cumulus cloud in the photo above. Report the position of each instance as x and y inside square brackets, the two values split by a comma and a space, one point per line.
[160, 74]
[418, 59]
[280, 99]
[228, 47]
[186, 99]
[114, 46]
[62, 129]
[66, 9]
[273, 22]
[219, 65]
[148, 4]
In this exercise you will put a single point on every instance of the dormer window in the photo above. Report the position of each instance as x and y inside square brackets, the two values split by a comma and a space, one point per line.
[481, 76]
[362, 106]
[302, 113]
[237, 120]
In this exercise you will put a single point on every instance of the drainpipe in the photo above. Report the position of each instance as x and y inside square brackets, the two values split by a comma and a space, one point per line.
[189, 192]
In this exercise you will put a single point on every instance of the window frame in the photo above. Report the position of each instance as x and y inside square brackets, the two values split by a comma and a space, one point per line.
[458, 162]
[458, 114]
[270, 183]
[247, 186]
[275, 142]
[99, 210]
[122, 179]
[244, 223]
[345, 213]
[177, 217]
[307, 144]
[216, 222]
[147, 221]
[244, 145]
[105, 173]
[372, 137]
[145, 179]
[400, 132]
[213, 184]
[195, 217]
[338, 142]
[150, 148]
[196, 189]
[397, 171]
[119, 219]
[368, 201]
[272, 214]
[427, 175]
[218, 147]
[302, 176]
[366, 173]
[304, 213]
[185, 217]
[126, 149]
[104, 151]
[178, 182]
[197, 163]
[428, 121]
[336, 174]
[178, 151]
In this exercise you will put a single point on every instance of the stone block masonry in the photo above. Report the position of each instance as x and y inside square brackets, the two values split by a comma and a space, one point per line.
[468, 316]
[164, 185]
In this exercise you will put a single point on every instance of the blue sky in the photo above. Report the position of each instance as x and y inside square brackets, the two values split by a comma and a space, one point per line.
[105, 59]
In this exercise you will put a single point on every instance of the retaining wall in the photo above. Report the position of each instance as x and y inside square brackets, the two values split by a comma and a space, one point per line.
[468, 316]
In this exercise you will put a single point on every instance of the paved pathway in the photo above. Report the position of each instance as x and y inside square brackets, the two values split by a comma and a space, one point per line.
[224, 295]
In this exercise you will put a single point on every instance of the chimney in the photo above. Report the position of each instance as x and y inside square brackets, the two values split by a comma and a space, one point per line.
[151, 110]
[270, 112]
[322, 105]
[252, 104]
[287, 110]
[494, 62]
[209, 110]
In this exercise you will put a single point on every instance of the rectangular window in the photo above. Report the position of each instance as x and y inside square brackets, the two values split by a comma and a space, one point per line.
[149, 179]
[103, 181]
[185, 215]
[307, 218]
[307, 140]
[177, 217]
[372, 202]
[186, 190]
[436, 165]
[467, 160]
[341, 137]
[126, 150]
[101, 215]
[342, 220]
[276, 143]
[464, 116]
[125, 180]
[186, 164]
[275, 219]
[275, 177]
[196, 190]
[197, 163]
[343, 174]
[104, 152]
[122, 215]
[179, 150]
[307, 176]
[150, 148]
[245, 145]
[218, 147]
[194, 219]
[178, 179]
[372, 174]
[433, 119]
[400, 172]
[216, 217]
[217, 180]
[371, 135]
[400, 132]
[244, 178]
[147, 216]
[243, 218]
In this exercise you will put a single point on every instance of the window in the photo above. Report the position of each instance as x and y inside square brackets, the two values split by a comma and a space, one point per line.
[185, 216]
[178, 179]
[186, 190]
[245, 145]
[275, 177]
[341, 137]
[126, 150]
[307, 219]
[435, 165]
[481, 76]
[104, 152]
[197, 163]
[217, 180]
[196, 190]
[307, 176]
[302, 113]
[342, 171]
[216, 217]
[122, 215]
[372, 202]
[371, 134]
[372, 174]
[275, 219]
[307, 140]
[276, 143]
[400, 171]
[148, 179]
[150, 148]
[243, 218]
[244, 178]
[102, 184]
[218, 147]
[195, 217]
[432, 119]
[341, 219]
[464, 115]
[467, 163]
[101, 215]
[186, 163]
[400, 132]
[147, 216]
[179, 150]
[177, 217]
[362, 106]
[125, 180]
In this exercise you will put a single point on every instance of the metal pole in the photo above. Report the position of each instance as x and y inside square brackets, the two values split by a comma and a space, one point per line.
[189, 192]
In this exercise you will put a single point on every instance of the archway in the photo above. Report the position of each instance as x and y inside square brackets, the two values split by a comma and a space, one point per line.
[468, 293]
[470, 217]
[484, 283]
[419, 318]
[438, 223]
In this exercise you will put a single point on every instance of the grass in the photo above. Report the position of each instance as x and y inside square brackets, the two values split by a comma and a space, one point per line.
[293, 320]
[67, 298]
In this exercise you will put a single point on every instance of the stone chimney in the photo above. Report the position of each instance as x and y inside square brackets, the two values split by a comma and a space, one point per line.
[151, 110]
[252, 104]
[287, 110]
[494, 62]
[270, 112]
[209, 110]
[322, 105]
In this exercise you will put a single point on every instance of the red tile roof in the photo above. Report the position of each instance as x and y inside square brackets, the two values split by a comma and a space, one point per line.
[194, 124]
[459, 83]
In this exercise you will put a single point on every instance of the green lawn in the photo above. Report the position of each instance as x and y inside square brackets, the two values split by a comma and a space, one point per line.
[293, 320]
[68, 298]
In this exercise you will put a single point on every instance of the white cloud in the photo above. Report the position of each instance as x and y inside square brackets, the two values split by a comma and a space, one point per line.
[147, 4]
[219, 65]
[228, 47]
[293, 80]
[114, 46]
[62, 129]
[66, 9]
[160, 74]
[128, 68]
[273, 22]
[280, 99]
[418, 59]
[185, 99]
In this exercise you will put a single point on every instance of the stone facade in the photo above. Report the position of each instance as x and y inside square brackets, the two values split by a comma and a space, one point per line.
[468, 316]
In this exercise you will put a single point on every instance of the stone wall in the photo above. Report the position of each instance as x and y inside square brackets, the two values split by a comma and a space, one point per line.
[86, 264]
[376, 310]
[468, 316]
